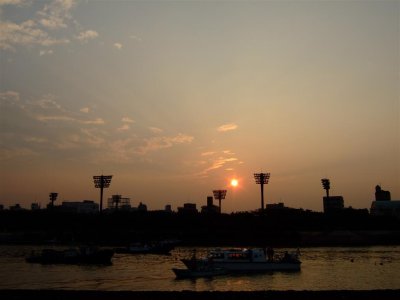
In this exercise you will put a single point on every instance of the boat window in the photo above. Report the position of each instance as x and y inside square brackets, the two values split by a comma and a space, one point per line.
[242, 255]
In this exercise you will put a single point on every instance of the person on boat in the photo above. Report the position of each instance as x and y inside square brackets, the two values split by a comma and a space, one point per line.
[286, 256]
[194, 263]
[270, 254]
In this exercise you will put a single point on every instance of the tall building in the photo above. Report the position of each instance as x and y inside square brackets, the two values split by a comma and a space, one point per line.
[210, 207]
[381, 195]
[383, 205]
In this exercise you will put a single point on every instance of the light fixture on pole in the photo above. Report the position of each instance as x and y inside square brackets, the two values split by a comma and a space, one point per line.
[101, 182]
[261, 179]
[52, 198]
[219, 195]
[326, 185]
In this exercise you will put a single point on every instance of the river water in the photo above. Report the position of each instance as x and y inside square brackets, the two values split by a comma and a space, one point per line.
[324, 268]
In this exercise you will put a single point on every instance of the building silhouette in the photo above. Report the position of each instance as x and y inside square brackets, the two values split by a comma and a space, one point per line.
[16, 207]
[84, 207]
[210, 207]
[142, 207]
[333, 204]
[117, 202]
[383, 205]
[35, 206]
[381, 195]
[188, 208]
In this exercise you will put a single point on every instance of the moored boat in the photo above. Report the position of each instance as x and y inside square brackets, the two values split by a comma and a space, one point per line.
[158, 247]
[82, 255]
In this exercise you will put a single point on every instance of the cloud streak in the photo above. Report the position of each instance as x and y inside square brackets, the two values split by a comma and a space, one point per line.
[227, 127]
[157, 143]
[87, 35]
[214, 163]
[118, 46]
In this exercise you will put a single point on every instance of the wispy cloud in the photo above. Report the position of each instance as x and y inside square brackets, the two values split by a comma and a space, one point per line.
[118, 46]
[45, 27]
[84, 110]
[212, 161]
[7, 154]
[45, 52]
[124, 127]
[208, 153]
[155, 130]
[127, 120]
[97, 121]
[25, 34]
[228, 152]
[219, 163]
[11, 2]
[9, 96]
[157, 143]
[136, 38]
[93, 137]
[227, 127]
[56, 14]
[33, 139]
[87, 35]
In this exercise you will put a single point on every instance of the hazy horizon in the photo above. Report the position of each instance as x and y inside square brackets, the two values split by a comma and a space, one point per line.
[176, 98]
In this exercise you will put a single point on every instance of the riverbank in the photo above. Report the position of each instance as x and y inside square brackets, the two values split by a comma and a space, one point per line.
[332, 238]
[192, 295]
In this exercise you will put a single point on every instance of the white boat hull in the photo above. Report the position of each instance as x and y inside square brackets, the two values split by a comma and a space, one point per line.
[257, 266]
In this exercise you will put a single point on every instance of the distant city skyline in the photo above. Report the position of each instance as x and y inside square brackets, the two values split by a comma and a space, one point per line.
[177, 98]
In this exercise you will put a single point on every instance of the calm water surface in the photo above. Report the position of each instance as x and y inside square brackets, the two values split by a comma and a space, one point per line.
[322, 269]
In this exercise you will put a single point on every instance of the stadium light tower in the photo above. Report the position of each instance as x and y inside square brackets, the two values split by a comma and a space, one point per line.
[219, 195]
[261, 179]
[101, 182]
[52, 198]
[327, 185]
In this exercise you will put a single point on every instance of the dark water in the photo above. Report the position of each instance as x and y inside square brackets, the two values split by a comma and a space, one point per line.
[322, 269]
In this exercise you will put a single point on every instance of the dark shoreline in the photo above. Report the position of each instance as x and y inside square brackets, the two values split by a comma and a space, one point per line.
[180, 295]
[276, 228]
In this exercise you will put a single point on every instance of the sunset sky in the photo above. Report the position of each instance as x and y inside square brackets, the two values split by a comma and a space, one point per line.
[176, 98]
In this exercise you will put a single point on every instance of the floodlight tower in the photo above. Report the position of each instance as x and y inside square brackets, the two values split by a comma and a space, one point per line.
[261, 179]
[101, 182]
[327, 185]
[52, 197]
[219, 195]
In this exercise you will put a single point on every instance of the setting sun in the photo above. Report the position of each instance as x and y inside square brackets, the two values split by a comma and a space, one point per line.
[234, 182]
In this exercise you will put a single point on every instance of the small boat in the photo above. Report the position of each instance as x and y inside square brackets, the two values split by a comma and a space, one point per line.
[246, 260]
[82, 255]
[159, 247]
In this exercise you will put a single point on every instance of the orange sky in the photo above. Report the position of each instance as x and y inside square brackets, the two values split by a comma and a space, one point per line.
[177, 98]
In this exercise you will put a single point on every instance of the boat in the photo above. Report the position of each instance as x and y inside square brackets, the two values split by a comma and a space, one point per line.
[82, 255]
[198, 268]
[158, 247]
[246, 260]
